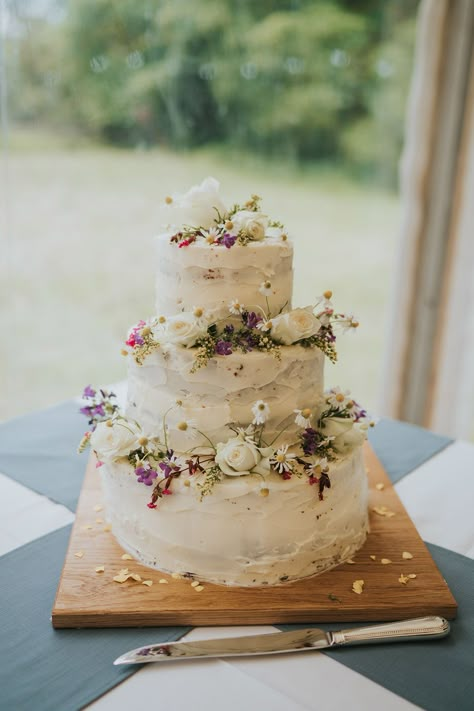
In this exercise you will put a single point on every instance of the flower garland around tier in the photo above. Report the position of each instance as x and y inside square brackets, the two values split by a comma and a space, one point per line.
[243, 330]
[326, 433]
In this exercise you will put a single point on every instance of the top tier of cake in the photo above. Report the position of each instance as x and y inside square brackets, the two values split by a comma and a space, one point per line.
[211, 276]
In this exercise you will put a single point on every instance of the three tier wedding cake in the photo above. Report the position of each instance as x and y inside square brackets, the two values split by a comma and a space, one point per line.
[230, 462]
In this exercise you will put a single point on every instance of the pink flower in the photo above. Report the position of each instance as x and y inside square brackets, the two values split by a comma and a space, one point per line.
[151, 505]
[167, 492]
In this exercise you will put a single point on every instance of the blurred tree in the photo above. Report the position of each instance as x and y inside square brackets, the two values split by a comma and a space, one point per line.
[302, 79]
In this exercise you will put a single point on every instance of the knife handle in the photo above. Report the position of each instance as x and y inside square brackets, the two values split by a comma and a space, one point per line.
[419, 628]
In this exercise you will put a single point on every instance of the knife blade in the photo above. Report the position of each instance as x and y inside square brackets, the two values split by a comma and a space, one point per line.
[303, 640]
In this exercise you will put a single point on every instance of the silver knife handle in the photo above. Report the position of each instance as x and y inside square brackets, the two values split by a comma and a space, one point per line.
[419, 628]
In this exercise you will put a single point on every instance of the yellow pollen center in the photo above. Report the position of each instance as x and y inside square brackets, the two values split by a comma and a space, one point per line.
[261, 407]
[306, 412]
[109, 423]
[327, 294]
[280, 458]
[355, 324]
[198, 312]
[143, 441]
[267, 285]
[183, 426]
[229, 225]
[340, 397]
[168, 200]
[146, 331]
[162, 319]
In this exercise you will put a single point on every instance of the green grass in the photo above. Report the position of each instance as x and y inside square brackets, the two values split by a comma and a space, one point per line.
[80, 267]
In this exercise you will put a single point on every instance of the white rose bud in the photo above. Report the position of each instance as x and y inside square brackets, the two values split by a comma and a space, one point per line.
[293, 326]
[347, 433]
[114, 442]
[184, 330]
[252, 224]
[238, 457]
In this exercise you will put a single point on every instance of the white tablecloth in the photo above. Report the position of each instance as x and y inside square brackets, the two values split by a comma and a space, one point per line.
[289, 682]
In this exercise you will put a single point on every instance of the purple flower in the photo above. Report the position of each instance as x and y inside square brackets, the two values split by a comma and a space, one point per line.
[224, 348]
[309, 441]
[88, 392]
[86, 410]
[228, 240]
[229, 330]
[145, 474]
[251, 319]
[98, 410]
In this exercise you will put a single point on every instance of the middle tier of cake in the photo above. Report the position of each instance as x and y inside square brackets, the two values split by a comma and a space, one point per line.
[223, 392]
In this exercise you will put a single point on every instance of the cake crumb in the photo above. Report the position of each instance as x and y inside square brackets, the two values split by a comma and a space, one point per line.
[98, 507]
[198, 588]
[100, 569]
[176, 576]
[195, 583]
[136, 577]
[403, 579]
[127, 556]
[406, 555]
[163, 581]
[121, 578]
[358, 586]
[79, 554]
[412, 576]
[383, 511]
[385, 561]
[349, 561]
[373, 557]
[148, 583]
[380, 486]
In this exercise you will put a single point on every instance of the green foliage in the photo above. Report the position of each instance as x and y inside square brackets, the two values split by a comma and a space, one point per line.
[301, 79]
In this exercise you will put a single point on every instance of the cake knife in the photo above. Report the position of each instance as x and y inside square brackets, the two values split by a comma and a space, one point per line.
[421, 628]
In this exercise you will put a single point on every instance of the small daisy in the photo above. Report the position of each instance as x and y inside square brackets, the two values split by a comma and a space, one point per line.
[349, 323]
[318, 466]
[189, 427]
[210, 235]
[264, 325]
[282, 460]
[303, 417]
[324, 300]
[337, 399]
[200, 315]
[235, 307]
[261, 412]
[266, 288]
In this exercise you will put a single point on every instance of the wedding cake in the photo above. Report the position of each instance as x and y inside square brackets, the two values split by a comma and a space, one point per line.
[230, 463]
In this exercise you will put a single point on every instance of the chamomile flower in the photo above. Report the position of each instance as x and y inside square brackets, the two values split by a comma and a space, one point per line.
[266, 288]
[210, 235]
[261, 412]
[303, 417]
[235, 307]
[199, 314]
[324, 300]
[338, 399]
[318, 466]
[264, 325]
[283, 461]
[348, 324]
[189, 427]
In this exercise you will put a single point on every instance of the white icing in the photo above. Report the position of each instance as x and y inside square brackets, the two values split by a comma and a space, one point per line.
[211, 276]
[223, 391]
[234, 536]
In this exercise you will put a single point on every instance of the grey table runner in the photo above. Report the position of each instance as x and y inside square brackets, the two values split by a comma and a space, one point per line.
[44, 669]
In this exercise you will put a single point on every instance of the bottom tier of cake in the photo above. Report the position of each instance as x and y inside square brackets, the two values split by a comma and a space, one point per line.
[236, 536]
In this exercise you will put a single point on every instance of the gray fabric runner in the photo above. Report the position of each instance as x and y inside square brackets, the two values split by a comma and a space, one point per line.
[64, 670]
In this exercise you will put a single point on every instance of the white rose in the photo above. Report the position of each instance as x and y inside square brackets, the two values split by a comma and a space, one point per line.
[114, 442]
[197, 208]
[239, 456]
[184, 329]
[294, 325]
[252, 224]
[347, 433]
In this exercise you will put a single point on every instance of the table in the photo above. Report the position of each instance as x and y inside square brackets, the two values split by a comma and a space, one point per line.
[286, 682]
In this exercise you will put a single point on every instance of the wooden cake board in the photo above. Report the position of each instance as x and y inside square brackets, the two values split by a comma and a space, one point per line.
[88, 596]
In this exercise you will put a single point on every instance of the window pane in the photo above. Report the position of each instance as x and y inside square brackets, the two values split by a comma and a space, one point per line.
[110, 105]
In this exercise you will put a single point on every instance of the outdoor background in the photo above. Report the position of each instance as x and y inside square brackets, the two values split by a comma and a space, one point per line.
[107, 106]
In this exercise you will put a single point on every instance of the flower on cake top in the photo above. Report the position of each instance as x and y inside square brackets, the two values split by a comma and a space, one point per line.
[236, 308]
[200, 206]
[200, 216]
[266, 288]
[261, 412]
[240, 456]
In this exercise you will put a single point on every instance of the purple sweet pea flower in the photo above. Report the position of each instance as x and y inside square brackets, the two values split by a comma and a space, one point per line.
[309, 441]
[228, 240]
[88, 392]
[229, 330]
[145, 474]
[224, 348]
[251, 319]
[98, 410]
[86, 410]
